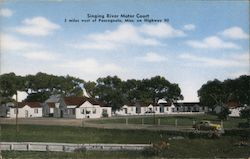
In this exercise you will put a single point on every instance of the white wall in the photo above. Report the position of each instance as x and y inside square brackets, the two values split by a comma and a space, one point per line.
[87, 110]
[51, 110]
[127, 110]
[26, 112]
[235, 112]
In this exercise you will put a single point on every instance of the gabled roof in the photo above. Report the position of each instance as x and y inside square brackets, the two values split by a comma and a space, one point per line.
[233, 104]
[187, 104]
[80, 100]
[141, 104]
[53, 99]
[165, 104]
[51, 104]
[30, 104]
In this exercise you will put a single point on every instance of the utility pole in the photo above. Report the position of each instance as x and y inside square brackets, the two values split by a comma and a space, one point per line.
[17, 127]
[0, 134]
[0, 141]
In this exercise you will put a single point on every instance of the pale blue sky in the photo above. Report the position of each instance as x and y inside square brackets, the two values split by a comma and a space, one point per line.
[202, 41]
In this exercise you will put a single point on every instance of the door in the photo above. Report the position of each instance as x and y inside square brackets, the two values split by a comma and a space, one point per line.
[61, 113]
[26, 113]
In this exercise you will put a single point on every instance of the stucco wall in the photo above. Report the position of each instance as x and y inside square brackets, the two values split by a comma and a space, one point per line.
[26, 112]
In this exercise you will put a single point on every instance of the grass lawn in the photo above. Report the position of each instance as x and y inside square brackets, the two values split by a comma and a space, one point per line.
[68, 134]
[61, 155]
[184, 148]
[170, 120]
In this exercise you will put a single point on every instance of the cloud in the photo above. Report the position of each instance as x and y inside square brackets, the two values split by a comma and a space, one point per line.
[37, 26]
[29, 50]
[235, 60]
[91, 66]
[212, 42]
[40, 55]
[12, 43]
[5, 12]
[153, 57]
[234, 33]
[161, 30]
[189, 27]
[95, 46]
[128, 34]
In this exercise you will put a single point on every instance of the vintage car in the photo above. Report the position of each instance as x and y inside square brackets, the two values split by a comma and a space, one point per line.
[207, 125]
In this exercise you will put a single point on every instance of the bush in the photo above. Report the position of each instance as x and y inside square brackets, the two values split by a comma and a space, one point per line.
[223, 115]
[81, 149]
[156, 149]
[244, 125]
[105, 115]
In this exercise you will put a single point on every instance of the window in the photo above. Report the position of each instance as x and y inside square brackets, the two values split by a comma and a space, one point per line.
[125, 110]
[132, 109]
[36, 111]
[105, 111]
[155, 108]
[72, 111]
[88, 112]
[94, 111]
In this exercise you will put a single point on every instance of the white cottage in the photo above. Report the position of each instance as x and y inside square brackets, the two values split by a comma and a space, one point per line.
[161, 107]
[26, 110]
[55, 107]
[49, 109]
[235, 112]
[128, 109]
[84, 107]
[140, 108]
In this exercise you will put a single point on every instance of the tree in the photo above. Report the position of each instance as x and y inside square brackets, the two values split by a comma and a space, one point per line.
[239, 89]
[245, 113]
[115, 92]
[39, 86]
[223, 115]
[159, 88]
[9, 85]
[219, 93]
[212, 93]
[90, 88]
[109, 90]
[38, 97]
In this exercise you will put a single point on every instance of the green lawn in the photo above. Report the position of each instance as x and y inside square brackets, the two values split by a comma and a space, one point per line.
[170, 120]
[62, 155]
[198, 147]
[68, 134]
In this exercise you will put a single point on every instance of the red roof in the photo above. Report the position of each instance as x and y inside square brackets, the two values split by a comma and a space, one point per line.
[30, 104]
[80, 100]
[233, 104]
[51, 104]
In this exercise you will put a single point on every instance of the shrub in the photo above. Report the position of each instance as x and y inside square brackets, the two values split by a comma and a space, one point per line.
[223, 115]
[81, 149]
[105, 115]
[156, 149]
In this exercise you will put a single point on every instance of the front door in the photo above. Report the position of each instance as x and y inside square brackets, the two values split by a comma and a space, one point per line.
[26, 113]
[61, 113]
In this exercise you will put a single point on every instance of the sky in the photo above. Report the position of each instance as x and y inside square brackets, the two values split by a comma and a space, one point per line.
[195, 41]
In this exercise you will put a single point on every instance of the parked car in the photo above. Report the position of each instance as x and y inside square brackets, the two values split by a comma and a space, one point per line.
[207, 125]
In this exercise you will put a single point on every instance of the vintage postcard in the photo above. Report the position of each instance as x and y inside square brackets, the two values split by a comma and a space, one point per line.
[124, 79]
